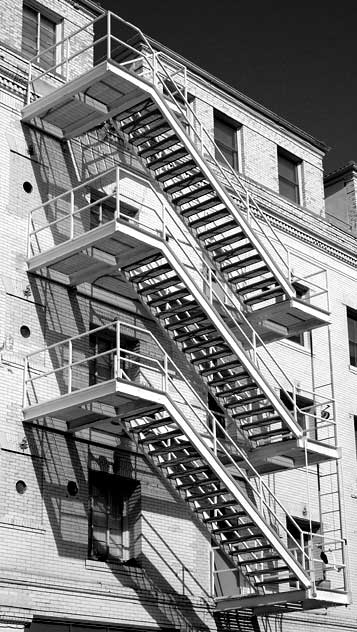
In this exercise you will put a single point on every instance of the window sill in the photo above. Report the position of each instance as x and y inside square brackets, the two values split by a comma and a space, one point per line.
[296, 347]
[352, 369]
[109, 567]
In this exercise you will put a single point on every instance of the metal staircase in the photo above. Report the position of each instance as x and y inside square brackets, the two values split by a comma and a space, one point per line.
[197, 311]
[220, 289]
[148, 393]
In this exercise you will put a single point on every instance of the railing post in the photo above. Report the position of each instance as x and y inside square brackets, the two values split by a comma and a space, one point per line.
[154, 68]
[117, 193]
[70, 360]
[294, 402]
[29, 223]
[248, 207]
[24, 386]
[29, 85]
[302, 546]
[210, 289]
[71, 225]
[261, 504]
[254, 347]
[117, 369]
[164, 234]
[214, 434]
[67, 59]
[109, 43]
[166, 372]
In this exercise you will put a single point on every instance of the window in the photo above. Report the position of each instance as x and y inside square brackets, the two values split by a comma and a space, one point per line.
[103, 342]
[39, 32]
[305, 413]
[352, 334]
[225, 136]
[310, 543]
[111, 498]
[355, 430]
[288, 172]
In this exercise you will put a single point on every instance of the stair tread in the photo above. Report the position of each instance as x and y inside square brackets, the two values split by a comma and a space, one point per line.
[155, 130]
[225, 241]
[208, 219]
[155, 287]
[231, 516]
[184, 182]
[156, 146]
[266, 571]
[157, 423]
[264, 296]
[167, 298]
[253, 413]
[183, 167]
[140, 121]
[242, 263]
[247, 289]
[250, 274]
[217, 230]
[247, 400]
[168, 158]
[195, 193]
[229, 254]
[188, 335]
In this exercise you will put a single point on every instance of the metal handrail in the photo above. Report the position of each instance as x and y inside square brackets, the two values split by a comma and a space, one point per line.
[260, 488]
[252, 338]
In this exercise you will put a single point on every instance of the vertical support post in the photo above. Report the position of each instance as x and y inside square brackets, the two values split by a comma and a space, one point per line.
[214, 428]
[248, 206]
[294, 403]
[210, 290]
[29, 85]
[117, 193]
[288, 262]
[71, 225]
[211, 574]
[117, 369]
[261, 504]
[166, 373]
[254, 347]
[163, 215]
[67, 59]
[109, 42]
[70, 360]
[24, 385]
[28, 241]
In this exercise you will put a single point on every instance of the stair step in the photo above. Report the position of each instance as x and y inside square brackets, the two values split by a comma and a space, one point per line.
[234, 364]
[155, 130]
[155, 287]
[236, 390]
[155, 438]
[177, 170]
[146, 261]
[217, 505]
[257, 285]
[217, 230]
[260, 560]
[243, 402]
[151, 273]
[177, 309]
[231, 516]
[194, 194]
[214, 355]
[167, 298]
[157, 423]
[253, 549]
[209, 494]
[272, 433]
[197, 483]
[231, 529]
[186, 458]
[188, 335]
[261, 422]
[225, 241]
[140, 121]
[190, 472]
[203, 344]
[168, 158]
[236, 377]
[253, 413]
[248, 274]
[266, 571]
[156, 146]
[275, 580]
[235, 252]
[178, 447]
[208, 219]
[246, 537]
[195, 317]
[243, 263]
[264, 296]
[184, 182]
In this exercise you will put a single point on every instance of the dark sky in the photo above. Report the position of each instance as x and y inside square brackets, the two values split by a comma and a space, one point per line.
[296, 58]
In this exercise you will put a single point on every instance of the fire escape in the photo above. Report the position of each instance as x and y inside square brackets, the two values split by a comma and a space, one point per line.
[210, 267]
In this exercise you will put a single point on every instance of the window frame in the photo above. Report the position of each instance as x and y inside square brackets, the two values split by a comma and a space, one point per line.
[118, 492]
[220, 117]
[57, 21]
[351, 314]
[294, 184]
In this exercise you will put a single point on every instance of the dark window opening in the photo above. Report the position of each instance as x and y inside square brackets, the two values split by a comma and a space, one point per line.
[310, 544]
[305, 413]
[288, 173]
[109, 519]
[102, 368]
[225, 136]
[355, 430]
[352, 334]
[38, 35]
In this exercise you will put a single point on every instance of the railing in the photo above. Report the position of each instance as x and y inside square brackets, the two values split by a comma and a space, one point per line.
[72, 214]
[134, 52]
[73, 367]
